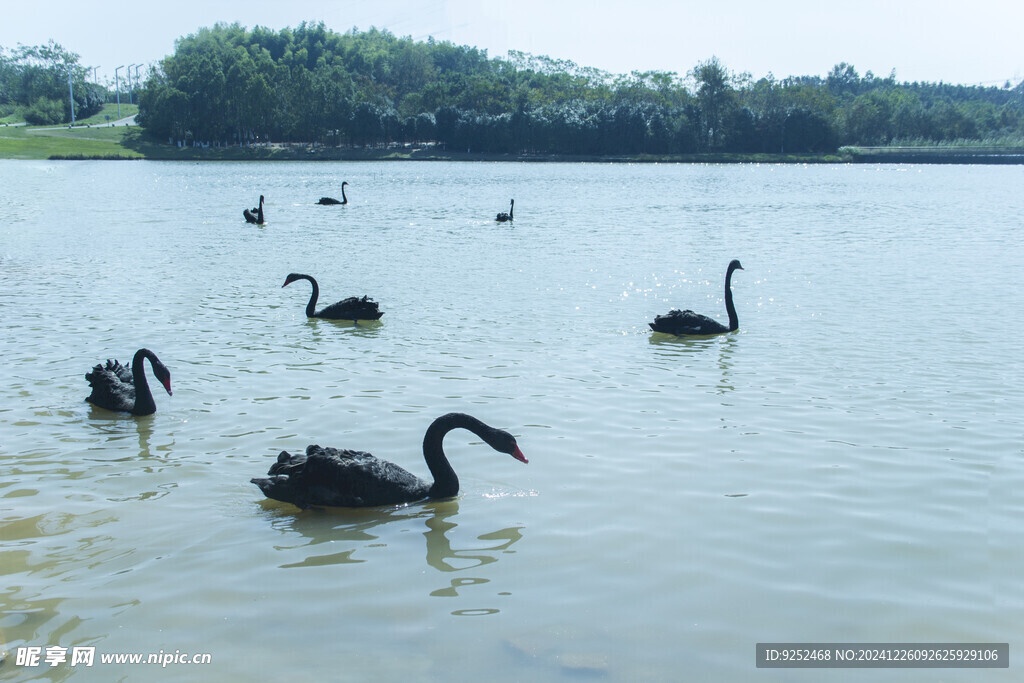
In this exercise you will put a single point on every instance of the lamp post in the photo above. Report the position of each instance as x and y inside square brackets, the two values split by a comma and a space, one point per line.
[71, 96]
[130, 83]
[137, 67]
[117, 89]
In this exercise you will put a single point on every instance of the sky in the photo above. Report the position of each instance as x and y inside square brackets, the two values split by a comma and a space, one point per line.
[973, 43]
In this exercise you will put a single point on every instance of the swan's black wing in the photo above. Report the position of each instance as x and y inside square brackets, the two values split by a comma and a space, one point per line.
[123, 372]
[250, 216]
[113, 387]
[352, 308]
[686, 322]
[343, 478]
[326, 201]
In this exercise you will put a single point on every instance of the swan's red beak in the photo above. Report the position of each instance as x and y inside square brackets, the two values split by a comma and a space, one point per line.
[518, 455]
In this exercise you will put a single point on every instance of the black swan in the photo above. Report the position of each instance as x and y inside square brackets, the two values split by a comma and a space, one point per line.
[688, 322]
[505, 217]
[114, 387]
[326, 201]
[329, 476]
[352, 308]
[255, 215]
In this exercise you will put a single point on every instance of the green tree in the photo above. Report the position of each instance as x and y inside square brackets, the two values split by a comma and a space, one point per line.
[371, 87]
[717, 100]
[36, 78]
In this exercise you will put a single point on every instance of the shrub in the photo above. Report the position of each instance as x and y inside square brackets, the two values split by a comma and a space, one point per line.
[45, 112]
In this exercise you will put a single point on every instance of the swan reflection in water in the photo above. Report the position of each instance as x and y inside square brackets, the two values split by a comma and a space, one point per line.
[115, 436]
[119, 438]
[358, 533]
[677, 353]
[444, 558]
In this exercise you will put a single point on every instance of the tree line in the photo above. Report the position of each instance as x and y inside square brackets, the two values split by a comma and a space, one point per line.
[34, 81]
[227, 84]
[311, 84]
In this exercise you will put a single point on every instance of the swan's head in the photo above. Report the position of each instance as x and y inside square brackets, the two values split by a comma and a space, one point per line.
[503, 442]
[279, 487]
[344, 183]
[292, 277]
[735, 265]
[163, 374]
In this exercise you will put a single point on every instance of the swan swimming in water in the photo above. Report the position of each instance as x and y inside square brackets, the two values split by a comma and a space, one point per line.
[255, 215]
[505, 217]
[345, 478]
[326, 201]
[352, 308]
[115, 387]
[690, 323]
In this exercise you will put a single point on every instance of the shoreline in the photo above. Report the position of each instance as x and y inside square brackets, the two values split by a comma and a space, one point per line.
[927, 156]
[129, 142]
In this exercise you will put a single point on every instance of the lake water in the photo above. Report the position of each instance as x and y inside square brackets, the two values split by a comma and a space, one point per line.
[846, 467]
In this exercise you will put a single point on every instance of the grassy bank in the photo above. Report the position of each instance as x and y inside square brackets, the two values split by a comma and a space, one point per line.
[938, 154]
[108, 114]
[129, 142]
[305, 152]
[20, 142]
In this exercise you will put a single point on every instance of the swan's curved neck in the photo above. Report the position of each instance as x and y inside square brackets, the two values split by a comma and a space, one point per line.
[344, 199]
[144, 403]
[311, 306]
[259, 213]
[446, 483]
[734, 323]
[511, 208]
